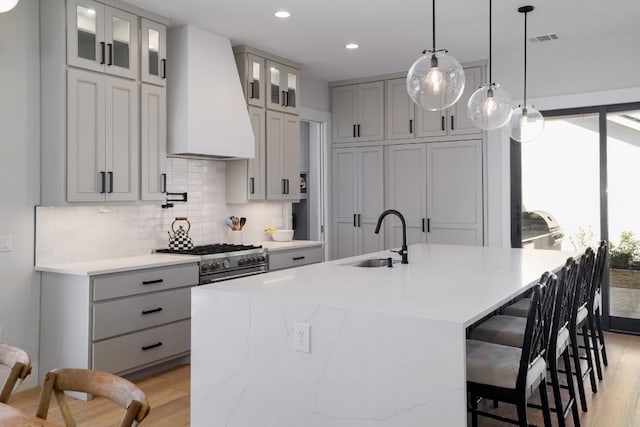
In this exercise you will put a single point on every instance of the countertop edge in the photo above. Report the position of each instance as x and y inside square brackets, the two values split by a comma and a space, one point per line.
[117, 265]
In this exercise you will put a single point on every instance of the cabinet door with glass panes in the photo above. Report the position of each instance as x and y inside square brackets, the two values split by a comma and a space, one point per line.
[153, 53]
[282, 91]
[102, 38]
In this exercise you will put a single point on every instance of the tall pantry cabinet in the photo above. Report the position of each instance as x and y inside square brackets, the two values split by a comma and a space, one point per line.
[427, 165]
[103, 123]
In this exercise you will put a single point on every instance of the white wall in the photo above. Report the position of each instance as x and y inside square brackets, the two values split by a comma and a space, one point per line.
[19, 174]
[314, 93]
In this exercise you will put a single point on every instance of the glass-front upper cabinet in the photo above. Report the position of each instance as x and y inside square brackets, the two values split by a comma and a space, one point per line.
[282, 94]
[255, 85]
[154, 53]
[102, 38]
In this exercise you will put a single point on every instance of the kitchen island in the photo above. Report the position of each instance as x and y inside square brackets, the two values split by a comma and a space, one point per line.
[387, 345]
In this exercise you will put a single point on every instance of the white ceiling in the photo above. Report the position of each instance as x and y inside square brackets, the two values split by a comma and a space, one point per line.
[392, 34]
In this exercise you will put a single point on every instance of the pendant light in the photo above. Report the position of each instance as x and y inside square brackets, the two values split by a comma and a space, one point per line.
[526, 122]
[436, 80]
[7, 5]
[489, 107]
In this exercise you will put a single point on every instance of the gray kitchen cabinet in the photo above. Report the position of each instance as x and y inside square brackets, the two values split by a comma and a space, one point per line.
[405, 120]
[153, 52]
[453, 120]
[296, 257]
[358, 187]
[246, 179]
[438, 189]
[120, 322]
[283, 156]
[251, 69]
[282, 93]
[102, 38]
[153, 142]
[357, 112]
[102, 125]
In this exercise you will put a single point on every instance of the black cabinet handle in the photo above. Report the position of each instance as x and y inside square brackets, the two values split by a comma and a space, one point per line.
[355, 224]
[164, 182]
[428, 225]
[452, 117]
[423, 225]
[152, 282]
[354, 130]
[284, 186]
[358, 130]
[149, 347]
[283, 102]
[103, 179]
[164, 68]
[298, 258]
[359, 217]
[252, 185]
[286, 98]
[410, 125]
[102, 53]
[110, 182]
[442, 125]
[110, 54]
[155, 310]
[287, 181]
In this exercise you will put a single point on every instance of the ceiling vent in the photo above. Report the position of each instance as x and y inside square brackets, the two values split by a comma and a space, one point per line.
[544, 38]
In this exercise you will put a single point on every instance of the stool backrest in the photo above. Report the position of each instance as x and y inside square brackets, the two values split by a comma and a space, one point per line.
[598, 271]
[583, 285]
[19, 363]
[566, 292]
[536, 333]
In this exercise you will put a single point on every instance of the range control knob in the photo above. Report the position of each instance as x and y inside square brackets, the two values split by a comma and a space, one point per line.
[261, 258]
[242, 261]
[215, 266]
[226, 263]
[205, 267]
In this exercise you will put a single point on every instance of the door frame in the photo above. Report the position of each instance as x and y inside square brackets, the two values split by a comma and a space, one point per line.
[323, 118]
[612, 323]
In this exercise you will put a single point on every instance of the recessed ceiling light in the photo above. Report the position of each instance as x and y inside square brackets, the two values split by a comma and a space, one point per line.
[352, 46]
[282, 14]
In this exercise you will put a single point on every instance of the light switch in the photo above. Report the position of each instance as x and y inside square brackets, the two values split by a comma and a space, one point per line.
[6, 244]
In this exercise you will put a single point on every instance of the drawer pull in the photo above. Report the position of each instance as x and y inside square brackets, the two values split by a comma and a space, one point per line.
[155, 310]
[149, 347]
[152, 282]
[298, 258]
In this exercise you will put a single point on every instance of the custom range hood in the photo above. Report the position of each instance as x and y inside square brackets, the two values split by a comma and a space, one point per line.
[206, 109]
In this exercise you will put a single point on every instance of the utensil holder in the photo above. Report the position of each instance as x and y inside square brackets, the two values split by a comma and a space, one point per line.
[235, 237]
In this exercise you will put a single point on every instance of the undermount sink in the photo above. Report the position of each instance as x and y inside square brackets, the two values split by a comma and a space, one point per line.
[374, 262]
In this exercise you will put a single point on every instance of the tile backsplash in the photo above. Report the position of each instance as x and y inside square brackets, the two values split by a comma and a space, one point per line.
[82, 233]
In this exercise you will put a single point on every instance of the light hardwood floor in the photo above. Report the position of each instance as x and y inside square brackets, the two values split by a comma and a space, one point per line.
[617, 403]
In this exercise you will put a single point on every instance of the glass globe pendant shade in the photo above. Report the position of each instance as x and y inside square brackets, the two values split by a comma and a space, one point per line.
[489, 107]
[436, 80]
[7, 5]
[527, 123]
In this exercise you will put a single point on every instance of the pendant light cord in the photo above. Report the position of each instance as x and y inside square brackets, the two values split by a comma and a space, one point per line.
[490, 49]
[525, 61]
[433, 17]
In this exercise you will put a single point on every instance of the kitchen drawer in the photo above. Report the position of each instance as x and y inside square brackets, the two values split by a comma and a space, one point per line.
[294, 258]
[140, 348]
[144, 311]
[143, 281]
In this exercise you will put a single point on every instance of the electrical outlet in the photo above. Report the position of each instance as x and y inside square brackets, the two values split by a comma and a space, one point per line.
[302, 337]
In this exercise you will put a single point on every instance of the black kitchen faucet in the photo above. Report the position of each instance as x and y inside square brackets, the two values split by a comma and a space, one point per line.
[403, 250]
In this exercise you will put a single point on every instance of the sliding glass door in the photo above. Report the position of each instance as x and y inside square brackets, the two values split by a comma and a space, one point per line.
[623, 179]
[583, 178]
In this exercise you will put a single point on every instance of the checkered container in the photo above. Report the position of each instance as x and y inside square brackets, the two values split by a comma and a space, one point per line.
[180, 240]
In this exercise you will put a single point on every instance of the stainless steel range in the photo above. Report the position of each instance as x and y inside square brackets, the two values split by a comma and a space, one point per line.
[226, 261]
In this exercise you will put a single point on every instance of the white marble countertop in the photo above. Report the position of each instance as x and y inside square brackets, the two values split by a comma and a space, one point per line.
[116, 265]
[273, 246]
[458, 284]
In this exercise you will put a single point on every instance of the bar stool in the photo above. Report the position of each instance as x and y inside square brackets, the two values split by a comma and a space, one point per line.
[594, 309]
[510, 374]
